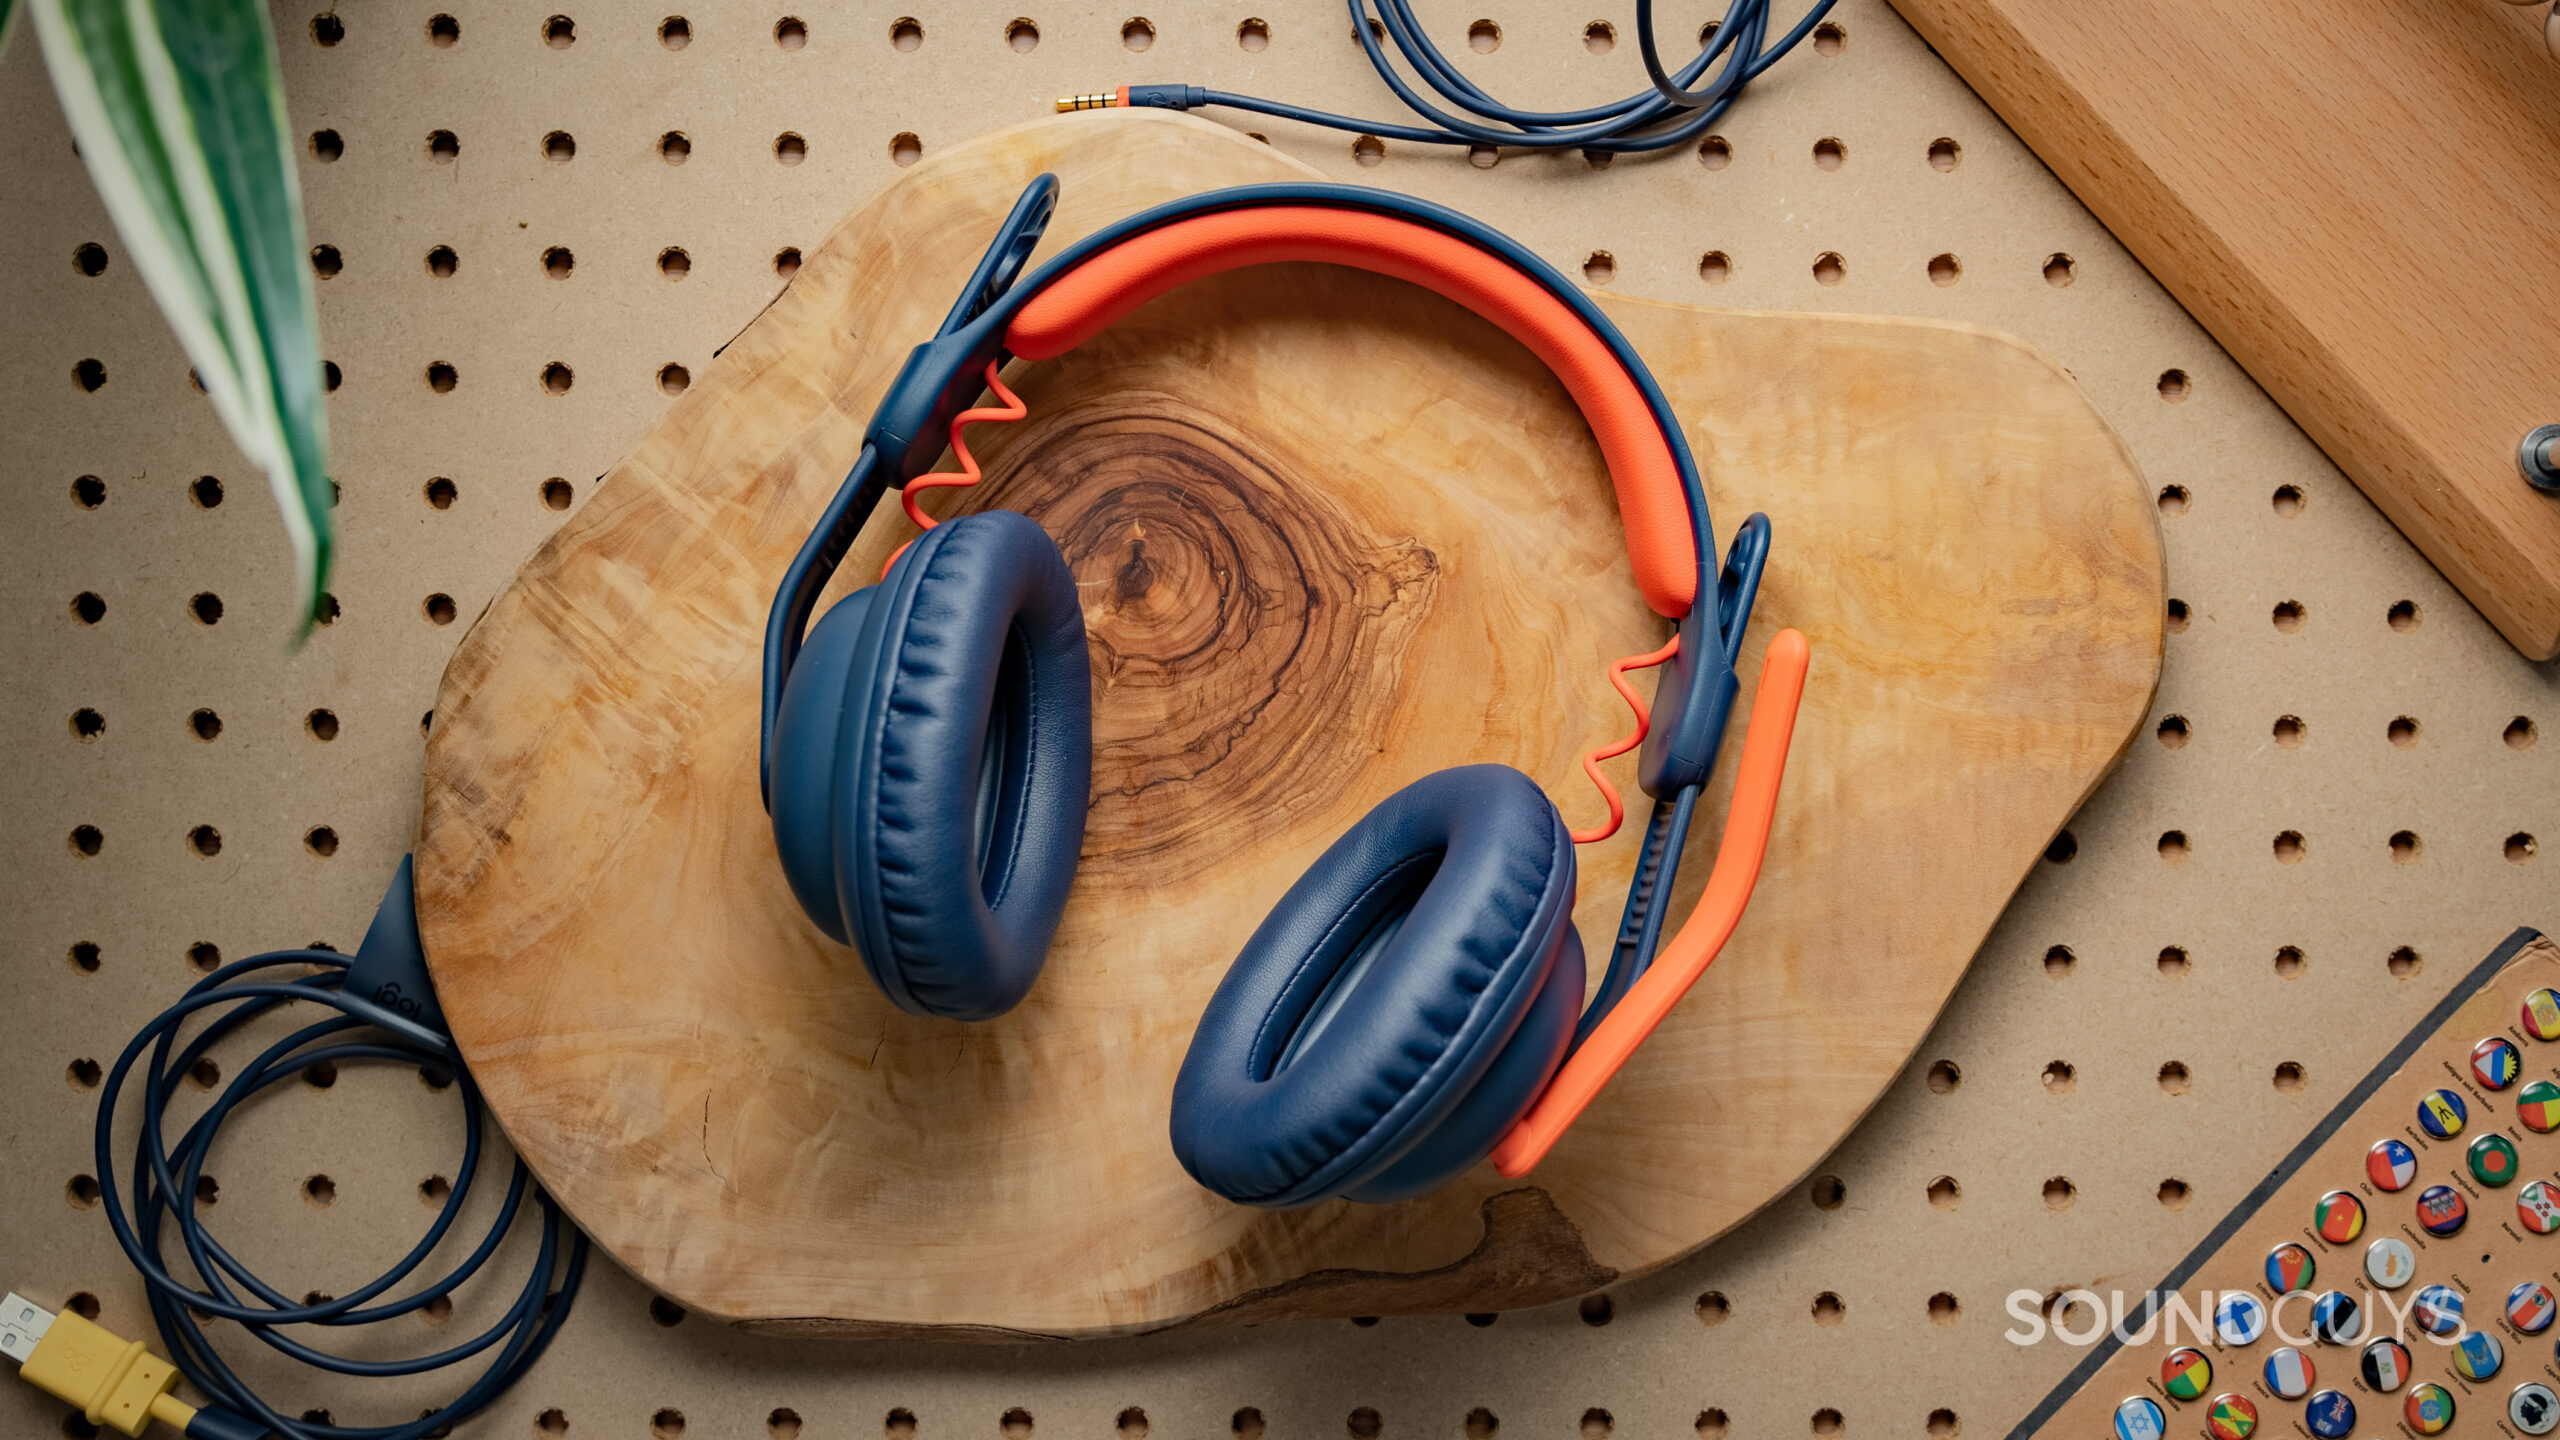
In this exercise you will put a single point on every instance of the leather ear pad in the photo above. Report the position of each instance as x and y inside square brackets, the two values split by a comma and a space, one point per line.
[1388, 985]
[956, 771]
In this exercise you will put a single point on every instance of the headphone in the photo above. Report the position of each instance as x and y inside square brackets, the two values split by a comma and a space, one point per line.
[1415, 1001]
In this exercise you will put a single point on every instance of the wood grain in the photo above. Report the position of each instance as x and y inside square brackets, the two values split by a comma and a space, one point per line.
[2359, 203]
[1335, 533]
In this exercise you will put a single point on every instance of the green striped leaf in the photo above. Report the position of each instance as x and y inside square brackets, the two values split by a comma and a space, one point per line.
[179, 111]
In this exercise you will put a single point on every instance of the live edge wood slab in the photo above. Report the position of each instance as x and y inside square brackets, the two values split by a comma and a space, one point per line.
[2359, 201]
[1335, 532]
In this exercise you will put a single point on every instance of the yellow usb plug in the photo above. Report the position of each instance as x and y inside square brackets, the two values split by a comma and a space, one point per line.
[114, 1381]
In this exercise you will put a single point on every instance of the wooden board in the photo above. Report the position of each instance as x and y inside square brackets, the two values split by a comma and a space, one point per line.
[1338, 533]
[2488, 1256]
[2359, 202]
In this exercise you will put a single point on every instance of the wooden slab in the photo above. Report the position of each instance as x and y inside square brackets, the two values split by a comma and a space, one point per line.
[2359, 202]
[2491, 1254]
[1337, 533]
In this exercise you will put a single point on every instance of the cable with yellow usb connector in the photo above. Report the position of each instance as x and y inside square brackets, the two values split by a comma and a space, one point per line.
[113, 1381]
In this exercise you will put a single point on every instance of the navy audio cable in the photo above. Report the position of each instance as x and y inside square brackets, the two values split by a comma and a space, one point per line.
[1668, 114]
[386, 1011]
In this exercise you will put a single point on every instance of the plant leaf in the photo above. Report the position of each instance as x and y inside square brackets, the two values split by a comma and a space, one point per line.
[179, 112]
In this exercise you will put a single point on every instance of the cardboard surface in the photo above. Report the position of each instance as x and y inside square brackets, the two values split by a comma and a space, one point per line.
[2110, 1010]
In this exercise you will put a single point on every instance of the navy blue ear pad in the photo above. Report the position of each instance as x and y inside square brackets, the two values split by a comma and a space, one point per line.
[936, 731]
[1400, 1007]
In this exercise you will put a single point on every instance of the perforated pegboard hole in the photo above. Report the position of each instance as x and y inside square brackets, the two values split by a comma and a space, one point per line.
[559, 147]
[2287, 501]
[559, 32]
[320, 840]
[439, 609]
[1715, 152]
[1247, 1424]
[89, 375]
[675, 147]
[1483, 157]
[327, 29]
[88, 607]
[1945, 1193]
[326, 262]
[205, 841]
[1597, 1423]
[443, 31]
[559, 262]
[442, 377]
[2060, 1193]
[557, 378]
[1828, 1309]
[89, 258]
[321, 725]
[1599, 37]
[1711, 1424]
[1826, 1421]
[2520, 733]
[1829, 39]
[1481, 1424]
[2521, 847]
[2059, 1077]
[1943, 1423]
[320, 1192]
[325, 614]
[442, 262]
[1478, 1318]
[204, 957]
[551, 1423]
[786, 261]
[667, 1424]
[2173, 499]
[1484, 37]
[2289, 1077]
[204, 725]
[1599, 268]
[2288, 616]
[2172, 731]
[2058, 961]
[900, 1424]
[1364, 1423]
[83, 1074]
[784, 1424]
[1138, 33]
[331, 377]
[1712, 1308]
[1829, 1192]
[208, 1192]
[1368, 150]
[665, 1312]
[82, 1304]
[1829, 153]
[85, 957]
[904, 150]
[1943, 1308]
[1253, 35]
[674, 379]
[2403, 962]
[1945, 154]
[2290, 848]
[88, 492]
[1022, 36]
[557, 494]
[2402, 731]
[206, 607]
[2403, 616]
[2061, 848]
[87, 724]
[327, 146]
[2288, 732]
[87, 840]
[792, 33]
[2174, 1079]
[2406, 847]
[443, 146]
[2176, 618]
[2173, 846]
[434, 1191]
[1945, 270]
[81, 1192]
[1829, 268]
[2290, 962]
[1944, 1077]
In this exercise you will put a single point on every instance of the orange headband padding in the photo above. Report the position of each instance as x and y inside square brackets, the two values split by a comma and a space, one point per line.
[1085, 300]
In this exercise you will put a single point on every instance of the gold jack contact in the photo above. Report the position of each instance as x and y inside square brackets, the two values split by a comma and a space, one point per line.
[1087, 102]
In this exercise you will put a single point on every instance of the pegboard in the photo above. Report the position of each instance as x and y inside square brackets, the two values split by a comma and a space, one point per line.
[532, 229]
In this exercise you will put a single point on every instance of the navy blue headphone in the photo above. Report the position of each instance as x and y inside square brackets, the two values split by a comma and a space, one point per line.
[927, 748]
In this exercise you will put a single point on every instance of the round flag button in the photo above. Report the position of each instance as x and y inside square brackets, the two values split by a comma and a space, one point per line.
[2538, 1106]
[2139, 1418]
[2542, 1014]
[2330, 1415]
[2289, 1373]
[2290, 1268]
[2441, 1114]
[2439, 1310]
[2186, 1374]
[2441, 1209]
[2391, 1164]
[2533, 1408]
[2495, 1062]
[2530, 1307]
[2339, 1217]
[2478, 1356]
[2390, 1263]
[2231, 1418]
[2336, 1318]
[2239, 1319]
[2386, 1365]
[2493, 1159]
[2429, 1408]
[2538, 1206]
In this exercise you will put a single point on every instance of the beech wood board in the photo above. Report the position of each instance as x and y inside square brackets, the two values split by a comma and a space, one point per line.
[2491, 1253]
[2359, 202]
[1335, 533]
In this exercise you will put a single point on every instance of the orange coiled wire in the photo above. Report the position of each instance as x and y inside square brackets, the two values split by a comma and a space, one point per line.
[968, 474]
[1592, 757]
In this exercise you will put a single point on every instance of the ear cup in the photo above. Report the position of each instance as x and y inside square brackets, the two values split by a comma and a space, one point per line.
[804, 760]
[962, 766]
[1386, 988]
